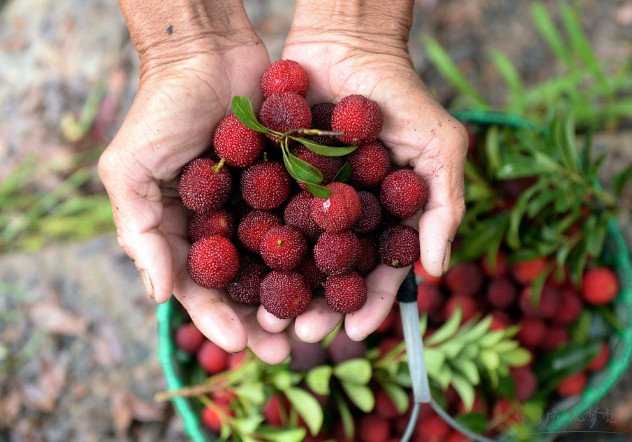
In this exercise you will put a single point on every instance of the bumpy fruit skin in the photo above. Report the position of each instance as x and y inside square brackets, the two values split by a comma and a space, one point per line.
[254, 226]
[569, 307]
[212, 419]
[298, 213]
[213, 262]
[283, 248]
[218, 222]
[285, 294]
[384, 405]
[464, 279]
[358, 118]
[370, 163]
[189, 338]
[265, 186]
[498, 268]
[600, 360]
[336, 253]
[342, 348]
[284, 76]
[329, 166]
[525, 272]
[465, 303]
[367, 257]
[273, 411]
[212, 358]
[321, 119]
[432, 429]
[555, 338]
[501, 292]
[429, 298]
[371, 214]
[340, 211]
[238, 145]
[525, 382]
[600, 286]
[399, 246]
[201, 188]
[305, 355]
[572, 385]
[532, 332]
[403, 193]
[373, 428]
[345, 293]
[312, 274]
[285, 111]
[545, 308]
[245, 288]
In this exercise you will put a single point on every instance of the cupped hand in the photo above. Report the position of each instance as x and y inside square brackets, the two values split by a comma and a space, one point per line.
[419, 133]
[179, 101]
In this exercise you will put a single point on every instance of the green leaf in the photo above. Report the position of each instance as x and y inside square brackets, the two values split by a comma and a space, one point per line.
[344, 173]
[565, 140]
[548, 30]
[317, 190]
[492, 150]
[434, 361]
[283, 379]
[398, 395]
[448, 69]
[345, 417]
[326, 151]
[252, 392]
[491, 339]
[247, 425]
[537, 285]
[464, 389]
[476, 422]
[242, 109]
[360, 395]
[444, 377]
[274, 434]
[489, 359]
[510, 74]
[307, 407]
[447, 330]
[357, 371]
[468, 369]
[301, 170]
[621, 180]
[477, 242]
[318, 378]
[517, 357]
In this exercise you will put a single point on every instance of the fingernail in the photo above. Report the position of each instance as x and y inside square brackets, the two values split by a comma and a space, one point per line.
[446, 257]
[149, 287]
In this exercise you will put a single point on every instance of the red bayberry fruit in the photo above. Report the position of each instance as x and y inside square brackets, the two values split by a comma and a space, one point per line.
[238, 145]
[224, 397]
[345, 293]
[384, 405]
[342, 348]
[373, 428]
[424, 275]
[189, 338]
[572, 385]
[569, 307]
[600, 286]
[212, 358]
[500, 321]
[545, 307]
[432, 429]
[274, 411]
[525, 382]
[506, 414]
[403, 193]
[532, 332]
[336, 253]
[285, 295]
[329, 166]
[284, 76]
[601, 359]
[388, 344]
[213, 417]
[213, 262]
[388, 322]
[464, 279]
[313, 276]
[367, 257]
[467, 305]
[245, 288]
[204, 186]
[478, 406]
[556, 337]
[525, 272]
[399, 246]
[285, 111]
[283, 248]
[254, 226]
[496, 268]
[358, 118]
[236, 360]
[501, 293]
[297, 213]
[371, 215]
[429, 298]
[265, 185]
[203, 225]
[321, 115]
[340, 211]
[370, 163]
[456, 436]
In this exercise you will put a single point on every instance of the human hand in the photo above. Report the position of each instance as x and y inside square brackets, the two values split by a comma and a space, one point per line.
[361, 48]
[189, 73]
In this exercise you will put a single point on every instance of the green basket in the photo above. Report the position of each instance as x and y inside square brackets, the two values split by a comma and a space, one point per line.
[565, 413]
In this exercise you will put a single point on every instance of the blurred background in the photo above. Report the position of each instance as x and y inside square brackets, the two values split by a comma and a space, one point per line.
[77, 335]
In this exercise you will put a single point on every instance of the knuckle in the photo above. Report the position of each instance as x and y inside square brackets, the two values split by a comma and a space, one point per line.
[107, 165]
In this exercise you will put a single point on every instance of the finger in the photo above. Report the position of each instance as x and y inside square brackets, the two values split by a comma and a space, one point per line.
[271, 323]
[382, 285]
[317, 321]
[271, 348]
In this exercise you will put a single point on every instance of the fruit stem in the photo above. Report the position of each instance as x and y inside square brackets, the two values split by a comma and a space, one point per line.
[219, 165]
[327, 133]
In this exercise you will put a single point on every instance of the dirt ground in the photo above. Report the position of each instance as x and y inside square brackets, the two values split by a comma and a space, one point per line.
[77, 335]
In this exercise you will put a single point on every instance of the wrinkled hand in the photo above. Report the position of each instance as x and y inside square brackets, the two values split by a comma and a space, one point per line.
[418, 131]
[179, 102]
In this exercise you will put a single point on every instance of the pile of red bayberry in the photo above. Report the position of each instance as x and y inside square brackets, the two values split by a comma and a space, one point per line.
[277, 241]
